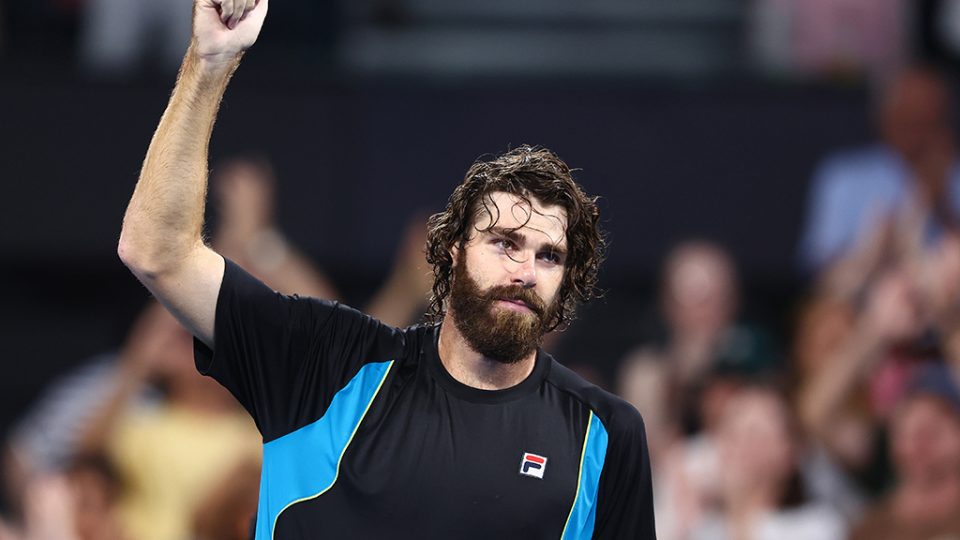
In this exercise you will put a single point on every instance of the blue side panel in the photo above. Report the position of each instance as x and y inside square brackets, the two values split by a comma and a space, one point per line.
[584, 511]
[305, 463]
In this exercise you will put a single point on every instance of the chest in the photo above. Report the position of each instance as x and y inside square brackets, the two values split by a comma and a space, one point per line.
[425, 459]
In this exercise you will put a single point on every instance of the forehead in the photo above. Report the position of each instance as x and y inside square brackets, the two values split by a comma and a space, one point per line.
[922, 408]
[751, 408]
[528, 216]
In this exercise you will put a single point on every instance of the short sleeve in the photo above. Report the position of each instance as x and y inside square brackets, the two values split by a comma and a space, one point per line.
[827, 222]
[285, 357]
[625, 498]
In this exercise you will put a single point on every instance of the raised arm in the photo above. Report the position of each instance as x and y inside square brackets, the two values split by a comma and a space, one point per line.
[161, 240]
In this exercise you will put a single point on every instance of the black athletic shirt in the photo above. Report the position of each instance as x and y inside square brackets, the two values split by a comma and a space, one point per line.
[366, 435]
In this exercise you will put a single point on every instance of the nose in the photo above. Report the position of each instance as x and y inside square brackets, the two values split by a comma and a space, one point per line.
[525, 273]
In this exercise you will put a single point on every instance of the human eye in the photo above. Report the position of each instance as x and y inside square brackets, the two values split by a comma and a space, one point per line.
[504, 243]
[551, 257]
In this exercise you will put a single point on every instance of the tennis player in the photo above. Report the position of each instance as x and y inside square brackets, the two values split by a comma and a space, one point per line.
[461, 428]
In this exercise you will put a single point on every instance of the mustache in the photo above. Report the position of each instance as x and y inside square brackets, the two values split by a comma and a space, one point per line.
[517, 293]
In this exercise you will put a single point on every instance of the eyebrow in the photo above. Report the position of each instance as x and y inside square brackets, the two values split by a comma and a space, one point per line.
[519, 238]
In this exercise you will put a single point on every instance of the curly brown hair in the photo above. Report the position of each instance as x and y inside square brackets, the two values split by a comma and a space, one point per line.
[525, 172]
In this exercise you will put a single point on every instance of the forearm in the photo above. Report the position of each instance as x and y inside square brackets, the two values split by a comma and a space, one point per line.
[823, 395]
[129, 380]
[164, 219]
[297, 275]
[396, 303]
[269, 256]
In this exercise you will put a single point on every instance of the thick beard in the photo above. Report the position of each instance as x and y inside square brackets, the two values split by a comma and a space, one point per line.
[500, 334]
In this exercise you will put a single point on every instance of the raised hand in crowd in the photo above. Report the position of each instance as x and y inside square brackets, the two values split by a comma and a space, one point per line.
[245, 194]
[401, 299]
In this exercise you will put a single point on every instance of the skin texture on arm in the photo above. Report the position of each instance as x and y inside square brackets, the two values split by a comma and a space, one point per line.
[822, 396]
[274, 261]
[248, 233]
[161, 240]
[890, 316]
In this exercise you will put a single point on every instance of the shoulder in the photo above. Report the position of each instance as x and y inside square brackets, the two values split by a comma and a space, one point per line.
[620, 419]
[418, 337]
[862, 166]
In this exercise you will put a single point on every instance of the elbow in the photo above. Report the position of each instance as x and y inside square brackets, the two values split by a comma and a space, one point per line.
[140, 257]
[125, 248]
[131, 254]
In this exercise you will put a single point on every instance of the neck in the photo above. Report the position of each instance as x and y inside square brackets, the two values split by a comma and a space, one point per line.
[746, 507]
[755, 500]
[473, 369]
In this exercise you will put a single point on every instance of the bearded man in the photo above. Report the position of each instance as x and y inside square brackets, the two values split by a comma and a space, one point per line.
[461, 428]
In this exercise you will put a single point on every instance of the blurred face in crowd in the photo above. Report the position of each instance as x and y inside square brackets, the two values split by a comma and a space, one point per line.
[699, 289]
[505, 280]
[755, 441]
[925, 440]
[164, 349]
[915, 114]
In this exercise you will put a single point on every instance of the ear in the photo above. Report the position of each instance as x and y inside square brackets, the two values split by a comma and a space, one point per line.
[454, 252]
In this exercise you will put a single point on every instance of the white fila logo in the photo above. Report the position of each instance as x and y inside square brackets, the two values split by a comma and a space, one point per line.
[533, 465]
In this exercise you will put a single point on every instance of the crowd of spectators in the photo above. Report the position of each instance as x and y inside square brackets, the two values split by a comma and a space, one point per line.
[850, 429]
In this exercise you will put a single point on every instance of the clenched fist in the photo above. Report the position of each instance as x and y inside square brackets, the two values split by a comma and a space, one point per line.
[222, 29]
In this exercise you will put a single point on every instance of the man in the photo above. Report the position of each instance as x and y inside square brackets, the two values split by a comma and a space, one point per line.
[881, 193]
[462, 429]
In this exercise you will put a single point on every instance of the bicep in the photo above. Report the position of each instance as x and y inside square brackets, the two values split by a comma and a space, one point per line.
[190, 290]
[625, 495]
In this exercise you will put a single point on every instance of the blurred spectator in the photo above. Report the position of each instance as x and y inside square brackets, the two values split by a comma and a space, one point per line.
[860, 344]
[96, 488]
[244, 192]
[79, 504]
[850, 390]
[925, 448]
[171, 455]
[48, 439]
[120, 36]
[762, 492]
[911, 176]
[228, 512]
[682, 383]
[823, 326]
[48, 511]
[699, 301]
[402, 298]
[687, 472]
